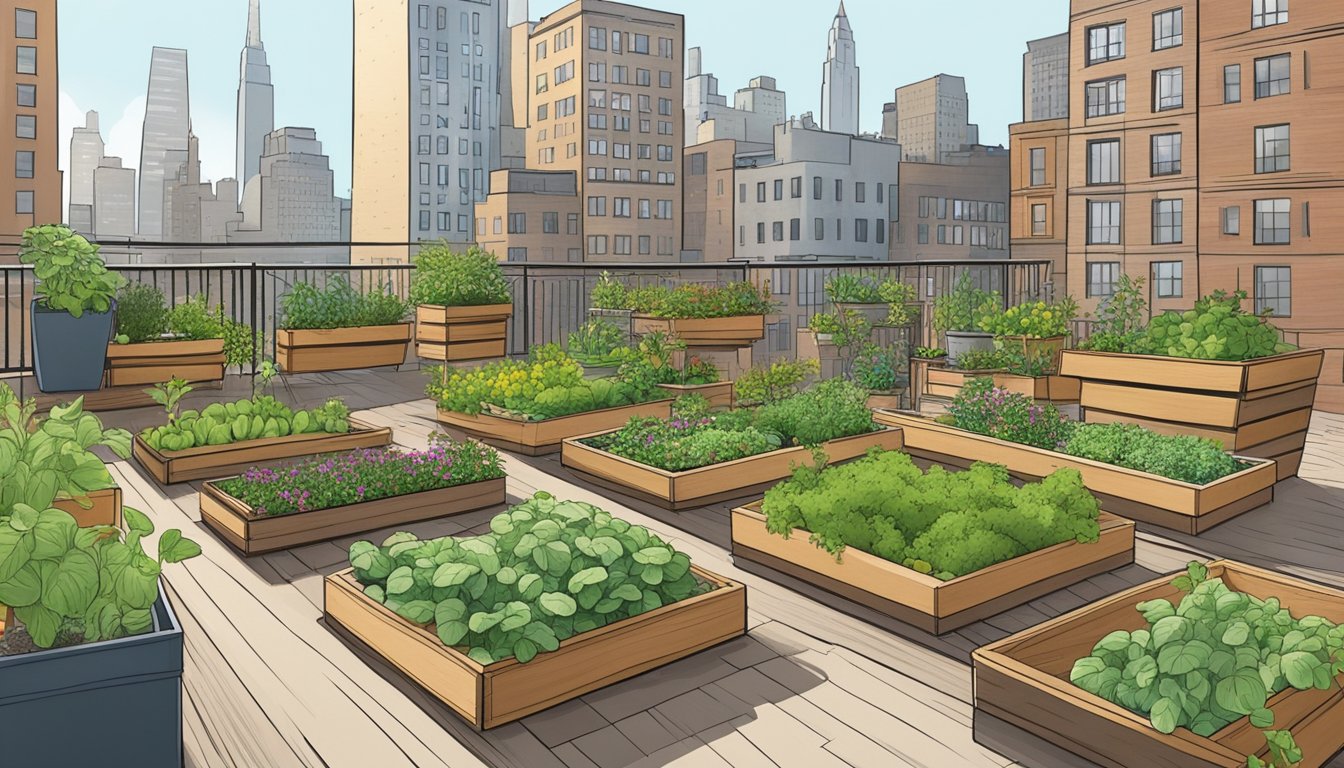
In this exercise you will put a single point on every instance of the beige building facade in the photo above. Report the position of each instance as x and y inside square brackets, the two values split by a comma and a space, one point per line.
[531, 216]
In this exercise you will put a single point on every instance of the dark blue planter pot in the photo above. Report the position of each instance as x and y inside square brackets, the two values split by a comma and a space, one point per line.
[111, 703]
[70, 353]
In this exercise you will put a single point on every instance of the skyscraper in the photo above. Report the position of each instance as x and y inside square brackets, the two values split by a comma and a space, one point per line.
[86, 150]
[167, 123]
[1045, 79]
[256, 99]
[32, 183]
[290, 199]
[930, 119]
[840, 79]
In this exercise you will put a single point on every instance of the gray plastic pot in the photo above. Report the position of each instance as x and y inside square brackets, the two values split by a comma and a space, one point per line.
[961, 342]
[70, 353]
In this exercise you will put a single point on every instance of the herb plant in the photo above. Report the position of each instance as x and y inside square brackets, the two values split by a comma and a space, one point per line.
[1216, 656]
[988, 410]
[228, 423]
[547, 571]
[596, 343]
[776, 381]
[71, 275]
[365, 475]
[610, 293]
[142, 313]
[1035, 320]
[687, 301]
[1120, 318]
[847, 288]
[945, 524]
[339, 305]
[661, 358]
[877, 369]
[930, 353]
[444, 277]
[1216, 329]
[966, 308]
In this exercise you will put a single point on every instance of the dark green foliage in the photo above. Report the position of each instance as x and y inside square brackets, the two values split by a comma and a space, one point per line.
[1186, 458]
[1216, 329]
[828, 410]
[142, 313]
[985, 409]
[684, 301]
[941, 523]
[597, 343]
[339, 305]
[447, 278]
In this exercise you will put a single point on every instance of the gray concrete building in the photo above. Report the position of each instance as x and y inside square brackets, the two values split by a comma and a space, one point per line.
[957, 209]
[113, 199]
[197, 211]
[86, 149]
[840, 78]
[1045, 79]
[292, 198]
[931, 118]
[816, 195]
[256, 99]
[167, 123]
[752, 116]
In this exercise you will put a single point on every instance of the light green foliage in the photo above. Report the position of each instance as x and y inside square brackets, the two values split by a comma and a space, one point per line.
[547, 571]
[655, 359]
[1186, 458]
[1217, 656]
[688, 300]
[774, 382]
[71, 275]
[169, 395]
[966, 308]
[827, 410]
[261, 417]
[1036, 319]
[849, 288]
[339, 305]
[941, 523]
[597, 343]
[447, 278]
[194, 320]
[609, 293]
[1216, 329]
[847, 329]
[142, 313]
[930, 353]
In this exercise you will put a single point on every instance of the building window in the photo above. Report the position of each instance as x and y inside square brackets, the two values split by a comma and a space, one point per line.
[621, 245]
[1267, 13]
[517, 254]
[1168, 279]
[816, 187]
[796, 187]
[1231, 220]
[1272, 151]
[27, 95]
[881, 230]
[1105, 43]
[1103, 222]
[1272, 226]
[860, 230]
[1166, 154]
[1038, 167]
[597, 245]
[923, 236]
[25, 24]
[698, 164]
[1167, 221]
[1101, 278]
[620, 207]
[1106, 97]
[1167, 29]
[27, 60]
[597, 206]
[25, 126]
[839, 190]
[641, 44]
[777, 231]
[1038, 220]
[23, 164]
[818, 229]
[860, 192]
[597, 38]
[795, 229]
[517, 223]
[424, 221]
[1168, 89]
[760, 232]
[1274, 291]
[779, 189]
[1103, 162]
[645, 245]
[1272, 76]
[23, 201]
[942, 234]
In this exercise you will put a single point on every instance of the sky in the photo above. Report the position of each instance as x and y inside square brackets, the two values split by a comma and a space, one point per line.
[105, 50]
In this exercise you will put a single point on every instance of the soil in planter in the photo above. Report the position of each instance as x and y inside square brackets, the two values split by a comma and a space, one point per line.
[17, 642]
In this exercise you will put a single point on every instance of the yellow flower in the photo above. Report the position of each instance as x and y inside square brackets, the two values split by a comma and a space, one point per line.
[1048, 315]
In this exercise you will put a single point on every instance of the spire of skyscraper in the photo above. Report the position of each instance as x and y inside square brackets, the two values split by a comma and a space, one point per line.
[840, 79]
[254, 23]
[256, 100]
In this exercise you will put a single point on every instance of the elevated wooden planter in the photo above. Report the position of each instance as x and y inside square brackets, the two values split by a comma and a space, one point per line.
[211, 461]
[880, 400]
[1135, 495]
[106, 509]
[253, 534]
[537, 438]
[716, 482]
[1256, 408]
[339, 349]
[455, 334]
[155, 362]
[1052, 347]
[1024, 680]
[719, 394]
[947, 383]
[942, 381]
[728, 332]
[489, 696]
[921, 600]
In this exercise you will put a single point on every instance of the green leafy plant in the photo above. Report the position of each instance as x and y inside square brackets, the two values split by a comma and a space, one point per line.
[966, 308]
[983, 360]
[877, 368]
[596, 343]
[930, 353]
[142, 313]
[985, 409]
[338, 305]
[686, 301]
[827, 410]
[169, 395]
[945, 524]
[662, 358]
[609, 293]
[1190, 459]
[848, 288]
[71, 275]
[1216, 329]
[1120, 318]
[1213, 658]
[243, 420]
[547, 571]
[444, 277]
[1034, 320]
[775, 381]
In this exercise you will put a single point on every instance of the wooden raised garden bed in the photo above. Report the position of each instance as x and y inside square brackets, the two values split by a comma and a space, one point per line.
[947, 383]
[106, 509]
[537, 438]
[706, 332]
[338, 349]
[211, 461]
[455, 334]
[1256, 408]
[1024, 681]
[154, 362]
[253, 534]
[716, 482]
[921, 600]
[489, 696]
[719, 394]
[1129, 493]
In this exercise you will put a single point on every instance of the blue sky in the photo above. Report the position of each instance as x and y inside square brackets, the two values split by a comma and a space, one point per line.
[105, 49]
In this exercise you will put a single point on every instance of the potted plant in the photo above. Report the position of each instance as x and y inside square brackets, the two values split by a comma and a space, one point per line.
[877, 369]
[1216, 370]
[463, 304]
[560, 599]
[930, 355]
[879, 302]
[722, 316]
[695, 458]
[964, 316]
[664, 361]
[336, 328]
[87, 634]
[190, 341]
[72, 315]
[938, 550]
[597, 346]
[1037, 329]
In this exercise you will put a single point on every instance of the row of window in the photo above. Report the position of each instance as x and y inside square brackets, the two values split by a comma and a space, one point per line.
[818, 186]
[1106, 42]
[861, 231]
[621, 208]
[621, 244]
[1273, 285]
[1272, 221]
[642, 176]
[1273, 77]
[550, 224]
[445, 222]
[25, 126]
[466, 25]
[982, 236]
[620, 75]
[963, 210]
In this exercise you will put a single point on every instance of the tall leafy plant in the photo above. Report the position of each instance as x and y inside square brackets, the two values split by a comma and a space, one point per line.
[71, 275]
[142, 313]
[449, 278]
[339, 305]
[966, 308]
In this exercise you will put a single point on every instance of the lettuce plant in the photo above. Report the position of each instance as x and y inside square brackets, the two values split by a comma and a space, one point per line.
[242, 420]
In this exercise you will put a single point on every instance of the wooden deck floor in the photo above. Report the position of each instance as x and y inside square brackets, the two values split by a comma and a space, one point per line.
[267, 683]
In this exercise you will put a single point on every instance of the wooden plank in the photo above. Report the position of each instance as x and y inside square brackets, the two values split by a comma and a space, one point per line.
[542, 437]
[1216, 411]
[145, 375]
[336, 349]
[461, 352]
[106, 509]
[132, 354]
[742, 331]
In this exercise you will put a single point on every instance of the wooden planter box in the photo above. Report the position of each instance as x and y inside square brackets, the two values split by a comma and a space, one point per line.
[719, 394]
[1135, 495]
[211, 461]
[880, 400]
[537, 438]
[717, 482]
[154, 362]
[339, 349]
[489, 696]
[947, 383]
[921, 600]
[1024, 680]
[944, 382]
[455, 334]
[106, 509]
[254, 534]
[1257, 408]
[706, 332]
[1033, 347]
